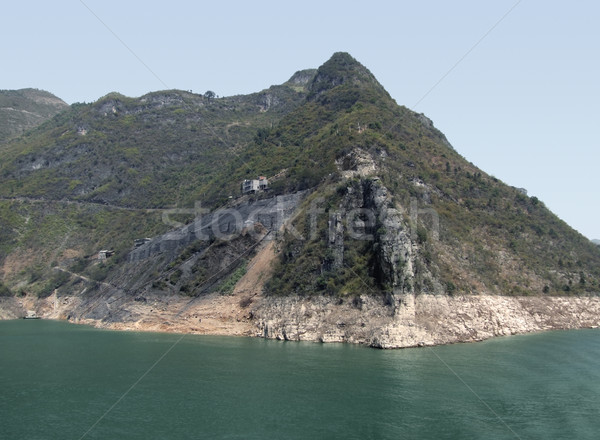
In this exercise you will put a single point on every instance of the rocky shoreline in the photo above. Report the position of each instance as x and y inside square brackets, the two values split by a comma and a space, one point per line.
[422, 320]
[400, 321]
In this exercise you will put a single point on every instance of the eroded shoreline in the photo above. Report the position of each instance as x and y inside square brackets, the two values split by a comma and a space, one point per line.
[409, 321]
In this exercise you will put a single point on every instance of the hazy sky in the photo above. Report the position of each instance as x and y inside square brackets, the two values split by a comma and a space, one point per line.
[521, 99]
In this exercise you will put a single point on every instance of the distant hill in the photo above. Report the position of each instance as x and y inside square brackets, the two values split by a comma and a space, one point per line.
[596, 241]
[21, 110]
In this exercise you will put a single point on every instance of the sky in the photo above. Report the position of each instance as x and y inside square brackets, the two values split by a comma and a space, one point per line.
[513, 84]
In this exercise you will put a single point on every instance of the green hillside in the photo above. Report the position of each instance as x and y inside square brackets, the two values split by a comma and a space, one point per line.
[86, 179]
[392, 207]
[24, 109]
[160, 150]
[491, 238]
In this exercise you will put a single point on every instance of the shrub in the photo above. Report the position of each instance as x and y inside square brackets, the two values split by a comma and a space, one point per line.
[175, 276]
[58, 279]
[5, 291]
[228, 285]
[450, 287]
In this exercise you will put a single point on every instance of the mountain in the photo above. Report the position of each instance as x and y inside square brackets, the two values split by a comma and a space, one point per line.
[21, 110]
[438, 224]
[99, 175]
[596, 241]
[139, 152]
[367, 203]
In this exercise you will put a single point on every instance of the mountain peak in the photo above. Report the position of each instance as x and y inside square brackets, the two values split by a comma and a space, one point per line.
[340, 69]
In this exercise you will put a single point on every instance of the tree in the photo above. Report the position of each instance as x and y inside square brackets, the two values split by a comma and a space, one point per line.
[209, 95]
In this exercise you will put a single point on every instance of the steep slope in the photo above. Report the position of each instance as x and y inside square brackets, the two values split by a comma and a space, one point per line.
[369, 206]
[97, 176]
[430, 222]
[24, 109]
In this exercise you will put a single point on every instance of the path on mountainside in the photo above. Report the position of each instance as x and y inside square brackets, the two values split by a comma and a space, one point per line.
[84, 278]
[79, 203]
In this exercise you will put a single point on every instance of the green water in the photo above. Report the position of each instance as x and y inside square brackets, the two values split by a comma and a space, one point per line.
[61, 381]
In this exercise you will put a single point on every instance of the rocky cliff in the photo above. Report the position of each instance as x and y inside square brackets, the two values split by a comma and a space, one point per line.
[409, 321]
[419, 320]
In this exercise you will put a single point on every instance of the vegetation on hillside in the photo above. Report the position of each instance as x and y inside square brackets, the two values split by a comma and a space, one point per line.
[39, 236]
[85, 180]
[98, 176]
[158, 151]
[491, 237]
[22, 110]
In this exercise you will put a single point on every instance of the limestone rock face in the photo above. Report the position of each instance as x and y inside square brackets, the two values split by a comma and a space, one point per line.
[396, 255]
[418, 320]
[408, 321]
[387, 227]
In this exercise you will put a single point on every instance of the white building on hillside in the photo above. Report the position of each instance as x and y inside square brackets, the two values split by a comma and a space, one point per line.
[254, 185]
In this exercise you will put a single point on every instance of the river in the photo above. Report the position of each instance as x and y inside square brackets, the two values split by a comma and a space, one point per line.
[63, 381]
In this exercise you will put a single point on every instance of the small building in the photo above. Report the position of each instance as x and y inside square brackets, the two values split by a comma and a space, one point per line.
[104, 254]
[255, 185]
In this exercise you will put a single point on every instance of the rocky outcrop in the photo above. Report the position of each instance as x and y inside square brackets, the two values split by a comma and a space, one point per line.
[388, 228]
[395, 255]
[419, 320]
[302, 77]
[398, 321]
[11, 308]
